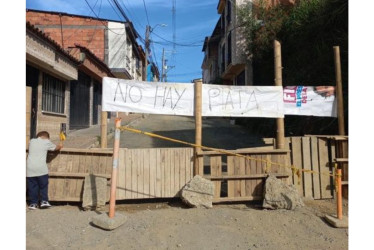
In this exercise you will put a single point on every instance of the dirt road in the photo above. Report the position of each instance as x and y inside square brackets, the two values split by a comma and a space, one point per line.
[217, 132]
[172, 226]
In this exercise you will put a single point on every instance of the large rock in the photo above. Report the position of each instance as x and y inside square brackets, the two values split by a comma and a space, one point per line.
[94, 192]
[278, 195]
[198, 192]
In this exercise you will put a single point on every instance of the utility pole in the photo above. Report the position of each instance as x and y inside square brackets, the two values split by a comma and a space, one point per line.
[163, 65]
[147, 32]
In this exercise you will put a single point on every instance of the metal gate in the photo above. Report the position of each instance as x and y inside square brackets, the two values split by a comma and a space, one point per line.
[79, 102]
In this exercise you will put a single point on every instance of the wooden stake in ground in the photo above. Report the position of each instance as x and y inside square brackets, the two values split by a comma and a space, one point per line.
[278, 82]
[339, 90]
[198, 161]
[104, 126]
[113, 185]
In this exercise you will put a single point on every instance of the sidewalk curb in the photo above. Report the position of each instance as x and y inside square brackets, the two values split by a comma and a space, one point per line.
[110, 134]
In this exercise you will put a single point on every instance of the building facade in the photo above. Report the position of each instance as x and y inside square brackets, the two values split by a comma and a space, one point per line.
[49, 70]
[225, 60]
[111, 41]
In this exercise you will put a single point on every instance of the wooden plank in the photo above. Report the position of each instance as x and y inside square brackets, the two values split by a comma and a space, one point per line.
[75, 175]
[253, 172]
[216, 170]
[247, 177]
[307, 177]
[177, 167]
[183, 168]
[107, 151]
[324, 167]
[146, 190]
[172, 172]
[159, 174]
[245, 151]
[152, 172]
[242, 172]
[134, 174]
[163, 167]
[237, 183]
[230, 171]
[128, 169]
[296, 162]
[315, 177]
[121, 182]
[248, 183]
[140, 167]
[189, 165]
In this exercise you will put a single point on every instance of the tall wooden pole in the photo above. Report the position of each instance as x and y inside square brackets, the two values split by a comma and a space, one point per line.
[278, 82]
[339, 90]
[104, 129]
[113, 185]
[198, 161]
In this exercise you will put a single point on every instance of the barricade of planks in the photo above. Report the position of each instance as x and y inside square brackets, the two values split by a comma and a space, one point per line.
[317, 153]
[242, 179]
[142, 173]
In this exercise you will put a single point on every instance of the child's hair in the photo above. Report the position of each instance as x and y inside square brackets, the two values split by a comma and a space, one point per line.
[43, 133]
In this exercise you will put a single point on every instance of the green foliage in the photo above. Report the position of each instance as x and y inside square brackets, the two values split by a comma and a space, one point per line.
[308, 32]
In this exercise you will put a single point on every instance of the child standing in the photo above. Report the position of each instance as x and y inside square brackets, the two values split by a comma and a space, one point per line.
[37, 170]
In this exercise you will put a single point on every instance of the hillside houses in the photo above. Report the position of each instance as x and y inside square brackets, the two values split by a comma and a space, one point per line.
[66, 58]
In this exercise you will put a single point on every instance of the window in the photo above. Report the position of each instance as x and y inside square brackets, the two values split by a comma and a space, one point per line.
[53, 94]
[223, 64]
[229, 48]
[228, 16]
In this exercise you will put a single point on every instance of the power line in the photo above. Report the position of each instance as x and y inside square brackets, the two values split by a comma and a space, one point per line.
[100, 18]
[146, 12]
[114, 9]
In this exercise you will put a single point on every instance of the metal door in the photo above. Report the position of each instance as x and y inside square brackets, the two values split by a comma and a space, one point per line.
[79, 102]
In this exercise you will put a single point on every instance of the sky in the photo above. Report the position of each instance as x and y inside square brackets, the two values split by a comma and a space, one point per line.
[194, 20]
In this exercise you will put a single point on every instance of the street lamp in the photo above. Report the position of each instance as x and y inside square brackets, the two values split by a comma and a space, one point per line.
[148, 30]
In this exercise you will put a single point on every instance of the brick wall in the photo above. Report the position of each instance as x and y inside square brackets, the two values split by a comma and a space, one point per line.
[87, 32]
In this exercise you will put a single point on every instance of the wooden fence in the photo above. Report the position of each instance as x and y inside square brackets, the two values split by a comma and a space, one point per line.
[143, 173]
[318, 153]
[162, 172]
[241, 179]
[69, 167]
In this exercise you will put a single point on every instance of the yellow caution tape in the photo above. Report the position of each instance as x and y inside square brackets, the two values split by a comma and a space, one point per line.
[295, 171]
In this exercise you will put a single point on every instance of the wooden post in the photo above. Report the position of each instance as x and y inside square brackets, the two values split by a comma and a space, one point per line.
[280, 141]
[104, 126]
[339, 207]
[339, 90]
[113, 185]
[198, 161]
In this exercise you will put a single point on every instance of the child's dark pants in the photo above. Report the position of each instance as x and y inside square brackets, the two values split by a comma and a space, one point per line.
[36, 185]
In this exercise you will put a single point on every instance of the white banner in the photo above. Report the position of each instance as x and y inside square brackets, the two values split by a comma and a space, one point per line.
[312, 101]
[242, 101]
[178, 99]
[217, 100]
[147, 97]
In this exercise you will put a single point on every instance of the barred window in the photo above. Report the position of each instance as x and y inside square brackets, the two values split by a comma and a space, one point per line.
[53, 96]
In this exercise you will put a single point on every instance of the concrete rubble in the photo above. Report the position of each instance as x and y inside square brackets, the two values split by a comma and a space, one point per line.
[94, 192]
[198, 192]
[279, 195]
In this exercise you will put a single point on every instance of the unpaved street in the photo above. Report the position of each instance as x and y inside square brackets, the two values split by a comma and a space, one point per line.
[217, 132]
[169, 225]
